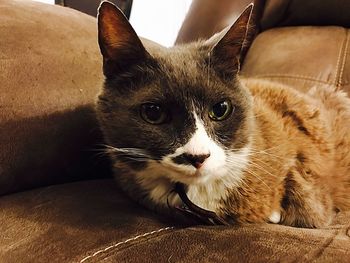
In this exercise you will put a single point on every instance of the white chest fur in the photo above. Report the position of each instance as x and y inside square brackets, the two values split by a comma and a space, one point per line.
[208, 195]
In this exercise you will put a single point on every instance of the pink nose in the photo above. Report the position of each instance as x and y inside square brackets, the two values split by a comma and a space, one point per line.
[196, 160]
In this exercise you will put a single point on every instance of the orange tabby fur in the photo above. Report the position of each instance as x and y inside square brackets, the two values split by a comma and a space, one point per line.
[306, 137]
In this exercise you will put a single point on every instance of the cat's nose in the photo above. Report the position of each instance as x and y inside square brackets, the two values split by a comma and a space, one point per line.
[196, 160]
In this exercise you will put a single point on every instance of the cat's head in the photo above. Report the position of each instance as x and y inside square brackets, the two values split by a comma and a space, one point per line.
[182, 111]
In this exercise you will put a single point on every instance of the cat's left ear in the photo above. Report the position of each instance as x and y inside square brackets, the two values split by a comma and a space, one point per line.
[230, 50]
[119, 44]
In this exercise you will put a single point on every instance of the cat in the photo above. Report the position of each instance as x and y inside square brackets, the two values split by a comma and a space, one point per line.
[247, 150]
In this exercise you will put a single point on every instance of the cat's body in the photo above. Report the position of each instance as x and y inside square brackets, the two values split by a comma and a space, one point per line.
[248, 150]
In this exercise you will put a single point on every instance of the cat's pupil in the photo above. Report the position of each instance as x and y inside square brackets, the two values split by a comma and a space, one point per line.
[153, 113]
[220, 109]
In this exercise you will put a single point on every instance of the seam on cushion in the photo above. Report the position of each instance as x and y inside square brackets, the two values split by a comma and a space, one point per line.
[125, 242]
[317, 253]
[341, 72]
[339, 60]
[297, 77]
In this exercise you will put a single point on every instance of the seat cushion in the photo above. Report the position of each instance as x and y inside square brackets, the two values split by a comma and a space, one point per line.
[51, 73]
[55, 224]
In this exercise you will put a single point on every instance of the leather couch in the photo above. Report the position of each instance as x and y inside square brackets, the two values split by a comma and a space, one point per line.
[58, 200]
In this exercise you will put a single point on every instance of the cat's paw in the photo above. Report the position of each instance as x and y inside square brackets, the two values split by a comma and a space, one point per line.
[275, 217]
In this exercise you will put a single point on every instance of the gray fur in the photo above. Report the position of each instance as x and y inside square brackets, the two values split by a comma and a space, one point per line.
[183, 79]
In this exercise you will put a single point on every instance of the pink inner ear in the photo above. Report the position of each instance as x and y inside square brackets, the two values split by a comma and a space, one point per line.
[116, 35]
[227, 53]
[232, 42]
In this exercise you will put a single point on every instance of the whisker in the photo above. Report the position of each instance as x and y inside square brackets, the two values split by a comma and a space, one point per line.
[133, 154]
[246, 186]
[99, 152]
[238, 160]
[254, 153]
[255, 159]
[255, 115]
[262, 169]
[209, 65]
[270, 154]
[258, 177]
[235, 161]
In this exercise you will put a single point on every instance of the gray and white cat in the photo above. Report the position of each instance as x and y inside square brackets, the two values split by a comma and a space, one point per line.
[244, 150]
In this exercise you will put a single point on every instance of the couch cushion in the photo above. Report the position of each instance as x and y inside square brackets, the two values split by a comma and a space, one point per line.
[311, 12]
[301, 56]
[55, 224]
[206, 17]
[50, 74]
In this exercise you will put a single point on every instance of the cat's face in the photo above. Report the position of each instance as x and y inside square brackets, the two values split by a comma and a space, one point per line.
[179, 112]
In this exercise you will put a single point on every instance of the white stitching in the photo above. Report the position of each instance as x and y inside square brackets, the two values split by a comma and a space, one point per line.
[124, 242]
[340, 82]
[339, 61]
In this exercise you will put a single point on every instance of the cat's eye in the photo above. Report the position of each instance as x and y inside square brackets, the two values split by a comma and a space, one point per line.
[153, 113]
[221, 110]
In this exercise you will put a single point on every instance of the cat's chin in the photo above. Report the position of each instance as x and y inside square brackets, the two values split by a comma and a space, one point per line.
[193, 179]
[198, 179]
[197, 176]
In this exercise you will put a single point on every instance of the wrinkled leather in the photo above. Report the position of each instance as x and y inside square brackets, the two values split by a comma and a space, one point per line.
[50, 73]
[303, 57]
[46, 122]
[306, 12]
[90, 220]
[203, 21]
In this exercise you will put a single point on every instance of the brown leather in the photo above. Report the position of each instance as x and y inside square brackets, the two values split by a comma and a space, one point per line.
[310, 12]
[90, 220]
[207, 17]
[301, 56]
[50, 74]
[46, 123]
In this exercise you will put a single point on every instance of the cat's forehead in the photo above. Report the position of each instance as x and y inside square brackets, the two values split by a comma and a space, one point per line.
[185, 71]
[181, 85]
[182, 74]
[185, 63]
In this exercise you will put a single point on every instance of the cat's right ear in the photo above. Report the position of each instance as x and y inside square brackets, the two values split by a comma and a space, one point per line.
[120, 46]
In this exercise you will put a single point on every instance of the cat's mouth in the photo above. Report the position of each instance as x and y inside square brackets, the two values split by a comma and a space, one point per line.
[188, 174]
[181, 169]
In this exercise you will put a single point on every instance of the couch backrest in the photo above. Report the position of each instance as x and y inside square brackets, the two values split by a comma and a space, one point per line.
[206, 17]
[306, 12]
